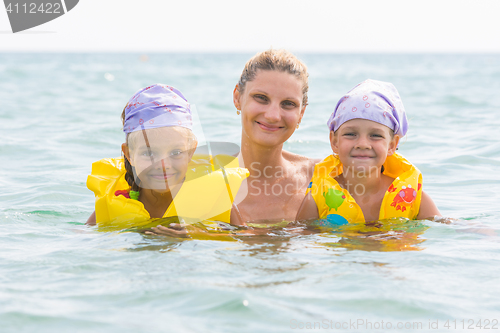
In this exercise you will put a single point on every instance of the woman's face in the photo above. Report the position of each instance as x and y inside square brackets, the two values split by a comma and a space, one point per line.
[271, 107]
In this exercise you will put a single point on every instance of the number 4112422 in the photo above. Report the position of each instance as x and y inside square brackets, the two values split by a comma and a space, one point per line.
[33, 8]
[471, 324]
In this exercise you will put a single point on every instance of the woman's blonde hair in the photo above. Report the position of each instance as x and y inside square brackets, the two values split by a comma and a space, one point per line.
[275, 60]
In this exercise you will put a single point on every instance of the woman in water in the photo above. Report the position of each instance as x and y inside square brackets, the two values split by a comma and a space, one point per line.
[271, 97]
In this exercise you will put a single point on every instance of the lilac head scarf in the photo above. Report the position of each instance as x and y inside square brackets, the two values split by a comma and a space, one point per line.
[372, 100]
[156, 106]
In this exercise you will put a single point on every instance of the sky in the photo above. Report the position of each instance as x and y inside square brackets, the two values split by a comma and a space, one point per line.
[316, 26]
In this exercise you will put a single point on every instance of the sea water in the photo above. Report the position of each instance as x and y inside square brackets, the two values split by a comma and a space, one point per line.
[61, 112]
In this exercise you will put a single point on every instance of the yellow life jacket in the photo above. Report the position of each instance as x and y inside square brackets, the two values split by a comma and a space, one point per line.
[337, 206]
[205, 194]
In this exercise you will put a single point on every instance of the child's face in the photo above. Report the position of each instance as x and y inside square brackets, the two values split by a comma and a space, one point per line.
[160, 157]
[362, 144]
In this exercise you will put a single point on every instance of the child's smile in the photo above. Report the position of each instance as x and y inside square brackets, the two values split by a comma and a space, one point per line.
[161, 158]
[362, 143]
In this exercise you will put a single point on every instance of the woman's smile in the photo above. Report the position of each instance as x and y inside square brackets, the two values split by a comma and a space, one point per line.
[268, 127]
[270, 104]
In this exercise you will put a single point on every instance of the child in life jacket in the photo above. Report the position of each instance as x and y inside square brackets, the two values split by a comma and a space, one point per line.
[365, 179]
[159, 175]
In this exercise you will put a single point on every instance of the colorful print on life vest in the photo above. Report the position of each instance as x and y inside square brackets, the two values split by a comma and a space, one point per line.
[405, 197]
[334, 198]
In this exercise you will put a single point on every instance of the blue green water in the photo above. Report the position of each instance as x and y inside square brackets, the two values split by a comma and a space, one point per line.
[61, 112]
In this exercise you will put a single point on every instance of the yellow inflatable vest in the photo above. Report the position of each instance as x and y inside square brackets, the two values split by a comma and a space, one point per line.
[205, 194]
[402, 198]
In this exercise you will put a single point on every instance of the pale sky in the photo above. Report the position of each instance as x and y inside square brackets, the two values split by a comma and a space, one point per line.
[249, 26]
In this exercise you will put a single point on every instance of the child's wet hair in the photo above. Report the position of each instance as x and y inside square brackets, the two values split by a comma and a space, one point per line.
[129, 174]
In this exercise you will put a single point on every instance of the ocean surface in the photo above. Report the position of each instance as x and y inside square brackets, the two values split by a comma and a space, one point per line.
[61, 112]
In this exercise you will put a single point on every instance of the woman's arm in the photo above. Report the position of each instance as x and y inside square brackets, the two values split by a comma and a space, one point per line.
[236, 218]
[173, 230]
[308, 209]
[428, 208]
[91, 220]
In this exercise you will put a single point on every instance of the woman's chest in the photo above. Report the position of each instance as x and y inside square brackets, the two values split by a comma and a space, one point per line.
[270, 207]
[272, 199]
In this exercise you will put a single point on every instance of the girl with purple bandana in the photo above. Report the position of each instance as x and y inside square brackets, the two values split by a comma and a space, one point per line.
[365, 179]
[158, 176]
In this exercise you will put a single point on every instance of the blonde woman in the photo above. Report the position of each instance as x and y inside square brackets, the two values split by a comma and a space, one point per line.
[271, 98]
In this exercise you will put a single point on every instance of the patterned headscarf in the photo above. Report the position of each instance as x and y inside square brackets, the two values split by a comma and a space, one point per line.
[372, 100]
[156, 106]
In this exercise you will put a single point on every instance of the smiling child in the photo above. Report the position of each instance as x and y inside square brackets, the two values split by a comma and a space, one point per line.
[160, 176]
[365, 179]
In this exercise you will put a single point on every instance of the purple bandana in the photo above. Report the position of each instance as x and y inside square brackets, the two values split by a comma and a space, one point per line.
[372, 100]
[156, 106]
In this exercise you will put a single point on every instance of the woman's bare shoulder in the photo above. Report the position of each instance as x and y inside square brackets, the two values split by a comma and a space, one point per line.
[292, 157]
[300, 161]
[300, 158]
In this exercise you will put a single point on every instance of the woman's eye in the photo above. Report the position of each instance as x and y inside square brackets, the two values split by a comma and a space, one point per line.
[147, 153]
[288, 104]
[261, 98]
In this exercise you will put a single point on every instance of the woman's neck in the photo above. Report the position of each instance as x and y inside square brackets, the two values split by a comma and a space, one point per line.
[258, 159]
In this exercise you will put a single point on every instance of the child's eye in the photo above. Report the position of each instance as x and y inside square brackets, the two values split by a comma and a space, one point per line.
[377, 136]
[349, 134]
[176, 153]
[147, 153]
